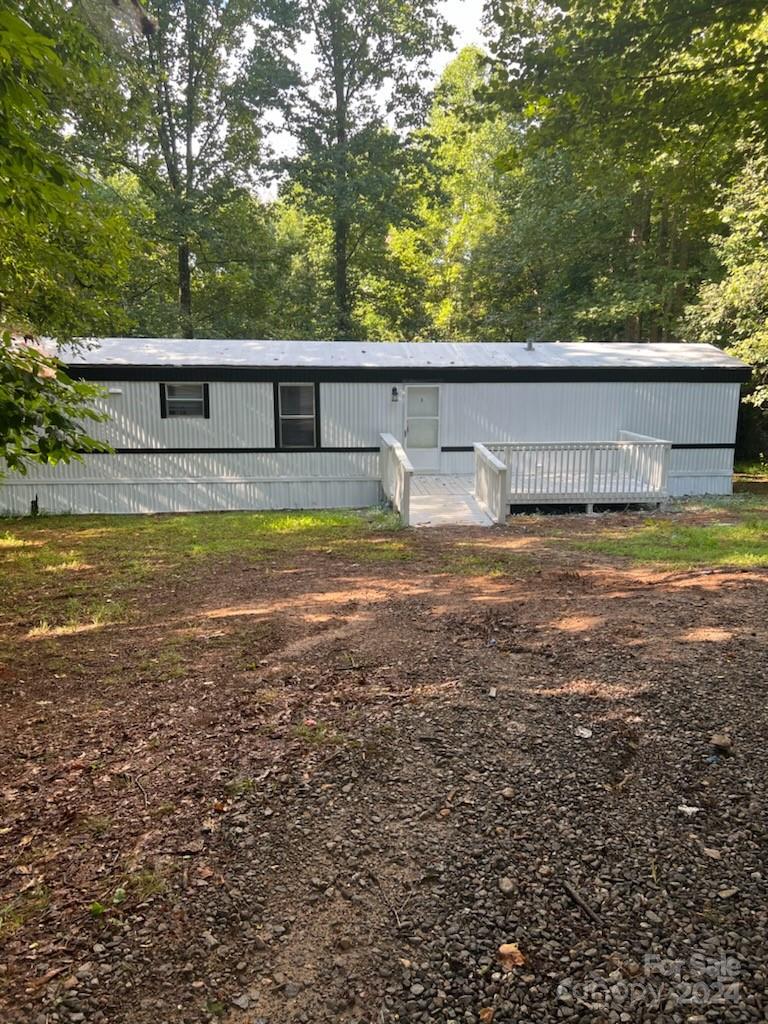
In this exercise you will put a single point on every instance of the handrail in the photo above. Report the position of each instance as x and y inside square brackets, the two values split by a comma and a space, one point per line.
[396, 472]
[634, 468]
[491, 484]
[630, 435]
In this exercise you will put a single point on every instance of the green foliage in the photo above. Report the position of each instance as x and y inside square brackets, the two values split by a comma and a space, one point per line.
[41, 409]
[33, 180]
[63, 238]
[350, 115]
[733, 312]
[644, 105]
[190, 139]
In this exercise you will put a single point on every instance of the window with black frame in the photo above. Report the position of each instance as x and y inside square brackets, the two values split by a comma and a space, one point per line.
[296, 416]
[184, 400]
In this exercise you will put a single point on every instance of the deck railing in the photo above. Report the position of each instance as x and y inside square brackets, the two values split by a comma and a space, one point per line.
[634, 468]
[491, 484]
[396, 473]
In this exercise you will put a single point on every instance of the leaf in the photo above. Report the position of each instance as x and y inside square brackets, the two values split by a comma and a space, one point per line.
[510, 956]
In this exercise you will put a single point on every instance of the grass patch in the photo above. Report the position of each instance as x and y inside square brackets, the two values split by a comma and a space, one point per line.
[82, 557]
[240, 787]
[316, 734]
[374, 549]
[142, 885]
[78, 616]
[667, 542]
[23, 908]
[741, 504]
[486, 564]
[756, 468]
[128, 546]
[97, 824]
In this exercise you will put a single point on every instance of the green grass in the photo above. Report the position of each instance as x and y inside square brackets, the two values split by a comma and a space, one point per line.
[486, 563]
[756, 468]
[18, 911]
[741, 504]
[88, 555]
[77, 615]
[318, 734]
[666, 542]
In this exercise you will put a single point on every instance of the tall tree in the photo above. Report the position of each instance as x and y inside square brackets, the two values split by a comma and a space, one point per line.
[191, 129]
[660, 92]
[351, 113]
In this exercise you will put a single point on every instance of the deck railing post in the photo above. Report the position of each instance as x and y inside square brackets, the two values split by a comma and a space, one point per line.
[396, 472]
[491, 483]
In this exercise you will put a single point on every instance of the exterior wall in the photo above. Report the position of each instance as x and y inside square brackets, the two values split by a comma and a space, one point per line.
[356, 414]
[146, 477]
[198, 483]
[681, 413]
[684, 413]
[241, 416]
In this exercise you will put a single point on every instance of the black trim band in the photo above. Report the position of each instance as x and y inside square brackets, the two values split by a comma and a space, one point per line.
[228, 451]
[697, 447]
[433, 374]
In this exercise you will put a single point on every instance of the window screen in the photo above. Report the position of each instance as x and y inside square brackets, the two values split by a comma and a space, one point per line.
[296, 416]
[184, 400]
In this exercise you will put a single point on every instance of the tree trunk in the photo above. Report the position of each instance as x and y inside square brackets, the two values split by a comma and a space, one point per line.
[341, 278]
[185, 292]
[341, 216]
[638, 239]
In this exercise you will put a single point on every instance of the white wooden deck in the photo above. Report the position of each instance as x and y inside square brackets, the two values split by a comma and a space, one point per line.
[445, 501]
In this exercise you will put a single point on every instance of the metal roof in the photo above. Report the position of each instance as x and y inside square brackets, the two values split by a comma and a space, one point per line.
[396, 355]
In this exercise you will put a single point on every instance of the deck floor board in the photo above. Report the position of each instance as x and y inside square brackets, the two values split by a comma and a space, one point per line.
[445, 501]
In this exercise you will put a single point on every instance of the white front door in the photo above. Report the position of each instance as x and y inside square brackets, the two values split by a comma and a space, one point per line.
[422, 425]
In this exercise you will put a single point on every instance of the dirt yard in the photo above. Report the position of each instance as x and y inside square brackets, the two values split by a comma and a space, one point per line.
[270, 770]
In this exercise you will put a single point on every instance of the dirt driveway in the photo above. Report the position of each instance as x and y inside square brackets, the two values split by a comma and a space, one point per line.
[324, 787]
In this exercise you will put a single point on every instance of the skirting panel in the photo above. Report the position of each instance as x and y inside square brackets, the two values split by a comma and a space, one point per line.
[686, 485]
[187, 496]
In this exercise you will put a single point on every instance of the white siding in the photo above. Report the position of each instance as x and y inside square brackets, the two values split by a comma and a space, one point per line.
[354, 415]
[196, 482]
[682, 413]
[241, 417]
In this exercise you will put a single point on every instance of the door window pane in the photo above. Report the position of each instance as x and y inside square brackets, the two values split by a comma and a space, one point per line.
[423, 401]
[422, 434]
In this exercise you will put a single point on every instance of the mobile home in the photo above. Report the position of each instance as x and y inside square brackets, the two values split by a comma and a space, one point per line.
[208, 425]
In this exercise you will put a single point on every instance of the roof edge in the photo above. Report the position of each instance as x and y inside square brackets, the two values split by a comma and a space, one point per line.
[735, 373]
